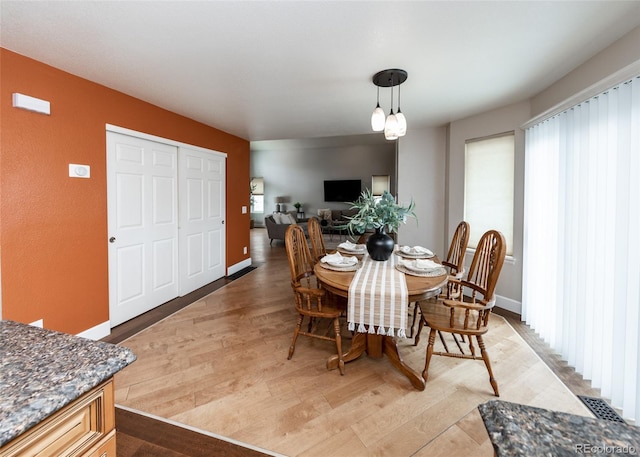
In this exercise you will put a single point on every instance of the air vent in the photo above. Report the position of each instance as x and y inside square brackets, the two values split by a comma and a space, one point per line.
[601, 409]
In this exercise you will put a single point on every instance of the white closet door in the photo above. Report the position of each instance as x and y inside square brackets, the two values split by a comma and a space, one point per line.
[143, 225]
[202, 215]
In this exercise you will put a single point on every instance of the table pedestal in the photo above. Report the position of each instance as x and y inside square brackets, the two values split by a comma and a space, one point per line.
[376, 346]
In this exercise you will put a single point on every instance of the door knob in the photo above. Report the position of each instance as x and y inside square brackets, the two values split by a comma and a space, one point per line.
[112, 239]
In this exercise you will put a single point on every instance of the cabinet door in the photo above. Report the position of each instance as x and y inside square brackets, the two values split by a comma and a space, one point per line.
[72, 431]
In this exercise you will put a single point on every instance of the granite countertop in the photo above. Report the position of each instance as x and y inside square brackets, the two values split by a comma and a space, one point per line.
[520, 430]
[41, 371]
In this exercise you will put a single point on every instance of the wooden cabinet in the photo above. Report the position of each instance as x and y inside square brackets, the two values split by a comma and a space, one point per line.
[85, 427]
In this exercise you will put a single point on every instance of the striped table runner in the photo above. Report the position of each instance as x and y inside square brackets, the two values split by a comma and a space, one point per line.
[378, 298]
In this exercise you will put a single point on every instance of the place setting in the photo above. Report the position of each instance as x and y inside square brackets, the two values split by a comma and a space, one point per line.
[414, 252]
[350, 248]
[420, 267]
[338, 262]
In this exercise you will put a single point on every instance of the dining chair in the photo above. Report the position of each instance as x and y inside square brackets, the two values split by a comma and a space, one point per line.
[455, 266]
[311, 301]
[317, 240]
[468, 314]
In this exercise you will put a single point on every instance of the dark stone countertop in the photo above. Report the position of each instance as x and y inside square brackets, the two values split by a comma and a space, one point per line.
[520, 430]
[41, 371]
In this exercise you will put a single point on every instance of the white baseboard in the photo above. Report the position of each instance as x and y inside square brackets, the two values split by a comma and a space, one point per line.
[239, 266]
[98, 332]
[509, 304]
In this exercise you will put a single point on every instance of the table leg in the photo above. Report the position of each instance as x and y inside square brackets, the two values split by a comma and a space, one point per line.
[376, 346]
[391, 350]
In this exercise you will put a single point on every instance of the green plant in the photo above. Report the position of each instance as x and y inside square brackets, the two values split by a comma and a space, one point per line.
[252, 188]
[297, 205]
[378, 213]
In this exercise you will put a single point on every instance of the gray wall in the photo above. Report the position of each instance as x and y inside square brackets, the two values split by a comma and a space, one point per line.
[298, 168]
[431, 162]
[422, 177]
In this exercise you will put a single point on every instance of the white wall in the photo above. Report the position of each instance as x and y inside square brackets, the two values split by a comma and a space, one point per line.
[422, 176]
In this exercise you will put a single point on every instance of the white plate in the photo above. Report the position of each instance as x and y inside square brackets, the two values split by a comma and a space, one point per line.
[343, 262]
[420, 266]
[411, 253]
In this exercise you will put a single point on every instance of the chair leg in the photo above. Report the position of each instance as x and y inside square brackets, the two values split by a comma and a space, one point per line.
[432, 340]
[416, 340]
[295, 337]
[444, 343]
[485, 357]
[336, 328]
[416, 309]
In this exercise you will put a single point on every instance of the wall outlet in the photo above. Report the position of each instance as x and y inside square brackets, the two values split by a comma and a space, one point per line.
[244, 210]
[244, 250]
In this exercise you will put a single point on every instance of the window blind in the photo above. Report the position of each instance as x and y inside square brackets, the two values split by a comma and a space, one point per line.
[488, 187]
[581, 270]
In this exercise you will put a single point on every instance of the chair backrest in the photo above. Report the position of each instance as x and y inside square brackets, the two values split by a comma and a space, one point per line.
[486, 265]
[300, 261]
[458, 249]
[317, 240]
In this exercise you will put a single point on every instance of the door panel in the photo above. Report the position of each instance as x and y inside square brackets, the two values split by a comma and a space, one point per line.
[202, 232]
[143, 224]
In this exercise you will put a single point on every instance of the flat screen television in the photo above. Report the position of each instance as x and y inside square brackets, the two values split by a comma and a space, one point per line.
[343, 190]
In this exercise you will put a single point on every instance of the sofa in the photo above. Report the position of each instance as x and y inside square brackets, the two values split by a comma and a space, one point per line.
[277, 229]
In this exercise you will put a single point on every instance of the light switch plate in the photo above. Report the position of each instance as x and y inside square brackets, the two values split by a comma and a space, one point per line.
[244, 210]
[79, 171]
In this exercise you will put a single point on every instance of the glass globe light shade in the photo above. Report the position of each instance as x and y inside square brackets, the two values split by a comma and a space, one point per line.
[377, 119]
[391, 127]
[402, 123]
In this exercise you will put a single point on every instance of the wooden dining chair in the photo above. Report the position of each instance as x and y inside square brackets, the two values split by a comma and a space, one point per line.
[317, 240]
[311, 301]
[468, 314]
[455, 266]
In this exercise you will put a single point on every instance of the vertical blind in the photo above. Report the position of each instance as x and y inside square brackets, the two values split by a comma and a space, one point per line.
[581, 271]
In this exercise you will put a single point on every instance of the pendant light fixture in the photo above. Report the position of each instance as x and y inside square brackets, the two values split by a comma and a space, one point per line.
[377, 118]
[402, 122]
[395, 125]
[391, 123]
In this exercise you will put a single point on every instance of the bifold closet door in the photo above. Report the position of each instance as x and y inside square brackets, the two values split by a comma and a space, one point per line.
[201, 189]
[142, 211]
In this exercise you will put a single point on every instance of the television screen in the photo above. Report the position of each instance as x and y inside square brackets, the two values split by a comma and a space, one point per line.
[345, 190]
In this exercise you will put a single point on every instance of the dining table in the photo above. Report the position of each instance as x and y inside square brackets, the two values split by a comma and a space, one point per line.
[374, 343]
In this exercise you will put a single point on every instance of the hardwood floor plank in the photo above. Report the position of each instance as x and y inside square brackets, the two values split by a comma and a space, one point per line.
[221, 365]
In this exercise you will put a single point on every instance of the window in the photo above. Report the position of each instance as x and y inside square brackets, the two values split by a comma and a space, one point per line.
[379, 183]
[488, 187]
[257, 195]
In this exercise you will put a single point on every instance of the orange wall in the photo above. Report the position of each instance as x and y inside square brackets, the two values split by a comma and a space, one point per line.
[53, 229]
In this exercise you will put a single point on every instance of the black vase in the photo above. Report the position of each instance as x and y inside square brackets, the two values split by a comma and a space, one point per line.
[380, 245]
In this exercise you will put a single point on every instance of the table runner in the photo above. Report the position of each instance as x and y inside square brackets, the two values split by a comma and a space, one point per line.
[378, 298]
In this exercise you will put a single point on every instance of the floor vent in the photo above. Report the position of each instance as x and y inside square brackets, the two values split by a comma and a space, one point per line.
[240, 273]
[601, 409]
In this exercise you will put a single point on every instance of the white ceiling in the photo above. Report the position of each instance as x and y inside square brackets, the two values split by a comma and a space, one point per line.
[266, 70]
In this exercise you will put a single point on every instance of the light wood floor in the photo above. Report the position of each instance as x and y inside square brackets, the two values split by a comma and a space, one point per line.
[221, 365]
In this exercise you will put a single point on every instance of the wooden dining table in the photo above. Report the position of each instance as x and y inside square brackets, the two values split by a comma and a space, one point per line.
[375, 345]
